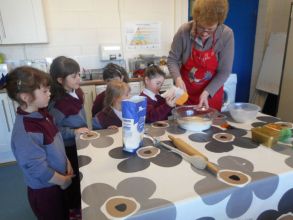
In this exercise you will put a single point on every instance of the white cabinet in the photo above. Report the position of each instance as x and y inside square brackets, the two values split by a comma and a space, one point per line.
[135, 88]
[7, 117]
[100, 88]
[22, 21]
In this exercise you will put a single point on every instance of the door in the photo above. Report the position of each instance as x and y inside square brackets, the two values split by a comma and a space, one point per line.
[285, 106]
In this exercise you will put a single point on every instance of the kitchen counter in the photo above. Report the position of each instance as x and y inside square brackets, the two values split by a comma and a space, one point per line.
[254, 181]
[102, 82]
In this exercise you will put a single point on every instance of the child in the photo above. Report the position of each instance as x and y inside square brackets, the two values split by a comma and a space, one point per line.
[111, 115]
[37, 144]
[67, 108]
[111, 72]
[158, 108]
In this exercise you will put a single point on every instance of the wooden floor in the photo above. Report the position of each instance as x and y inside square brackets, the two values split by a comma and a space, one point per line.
[13, 195]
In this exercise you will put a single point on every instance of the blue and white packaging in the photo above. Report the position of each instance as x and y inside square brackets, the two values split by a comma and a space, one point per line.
[133, 120]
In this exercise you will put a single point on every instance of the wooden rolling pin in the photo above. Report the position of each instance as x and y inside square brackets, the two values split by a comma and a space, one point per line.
[186, 148]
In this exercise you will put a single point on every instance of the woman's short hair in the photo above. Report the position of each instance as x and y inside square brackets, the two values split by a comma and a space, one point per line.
[210, 12]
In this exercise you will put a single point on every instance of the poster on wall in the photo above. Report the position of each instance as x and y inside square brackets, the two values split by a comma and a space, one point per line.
[143, 35]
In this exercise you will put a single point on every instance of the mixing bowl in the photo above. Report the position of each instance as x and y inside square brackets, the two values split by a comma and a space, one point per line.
[192, 118]
[243, 112]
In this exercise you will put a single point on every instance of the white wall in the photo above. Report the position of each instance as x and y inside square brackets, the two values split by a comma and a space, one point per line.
[76, 28]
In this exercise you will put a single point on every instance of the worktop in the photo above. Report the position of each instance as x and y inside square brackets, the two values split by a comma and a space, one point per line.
[253, 181]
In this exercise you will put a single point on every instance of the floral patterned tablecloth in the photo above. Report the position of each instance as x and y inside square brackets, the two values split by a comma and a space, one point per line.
[155, 183]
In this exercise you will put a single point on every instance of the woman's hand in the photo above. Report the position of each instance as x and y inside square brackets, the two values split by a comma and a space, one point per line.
[180, 83]
[203, 99]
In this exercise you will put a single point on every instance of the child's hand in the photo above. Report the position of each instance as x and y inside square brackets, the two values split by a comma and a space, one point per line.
[69, 168]
[112, 127]
[79, 131]
[67, 181]
[171, 101]
[62, 181]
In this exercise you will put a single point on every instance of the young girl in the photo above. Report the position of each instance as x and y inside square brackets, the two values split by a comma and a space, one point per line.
[37, 144]
[158, 108]
[67, 108]
[111, 115]
[111, 72]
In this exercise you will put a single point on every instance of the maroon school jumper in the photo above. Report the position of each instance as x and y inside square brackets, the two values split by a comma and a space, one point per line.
[156, 110]
[98, 103]
[107, 117]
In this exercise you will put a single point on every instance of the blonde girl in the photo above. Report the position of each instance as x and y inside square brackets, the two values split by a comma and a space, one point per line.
[111, 115]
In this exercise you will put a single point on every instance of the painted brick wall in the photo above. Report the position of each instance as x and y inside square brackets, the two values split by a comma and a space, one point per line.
[76, 28]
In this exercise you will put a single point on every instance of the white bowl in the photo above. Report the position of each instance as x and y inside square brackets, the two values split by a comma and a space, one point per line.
[190, 117]
[243, 112]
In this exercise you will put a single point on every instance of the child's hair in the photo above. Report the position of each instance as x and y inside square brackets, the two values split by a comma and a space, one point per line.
[61, 67]
[152, 71]
[25, 80]
[114, 90]
[113, 70]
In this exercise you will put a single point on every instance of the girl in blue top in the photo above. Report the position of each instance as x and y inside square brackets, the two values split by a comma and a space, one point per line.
[67, 109]
[37, 144]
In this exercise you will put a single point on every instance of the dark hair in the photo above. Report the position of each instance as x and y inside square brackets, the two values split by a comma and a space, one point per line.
[113, 70]
[25, 80]
[114, 90]
[152, 71]
[61, 67]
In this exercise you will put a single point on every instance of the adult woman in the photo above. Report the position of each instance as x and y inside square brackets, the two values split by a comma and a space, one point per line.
[201, 55]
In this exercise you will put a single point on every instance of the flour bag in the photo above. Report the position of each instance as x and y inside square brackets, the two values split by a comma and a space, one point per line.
[133, 120]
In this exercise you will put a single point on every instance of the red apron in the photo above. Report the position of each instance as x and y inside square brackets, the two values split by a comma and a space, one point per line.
[197, 72]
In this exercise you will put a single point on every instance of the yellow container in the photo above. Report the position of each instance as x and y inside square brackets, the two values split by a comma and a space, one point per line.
[265, 135]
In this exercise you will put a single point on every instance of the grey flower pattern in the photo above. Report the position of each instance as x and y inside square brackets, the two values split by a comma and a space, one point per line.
[156, 131]
[220, 141]
[286, 150]
[285, 209]
[264, 120]
[83, 161]
[246, 192]
[134, 163]
[136, 200]
[103, 138]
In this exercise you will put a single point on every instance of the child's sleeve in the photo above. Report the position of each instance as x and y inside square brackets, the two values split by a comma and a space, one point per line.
[96, 123]
[31, 156]
[157, 113]
[66, 132]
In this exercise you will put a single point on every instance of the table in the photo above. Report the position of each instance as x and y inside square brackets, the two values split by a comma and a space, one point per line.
[155, 183]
